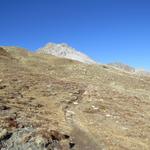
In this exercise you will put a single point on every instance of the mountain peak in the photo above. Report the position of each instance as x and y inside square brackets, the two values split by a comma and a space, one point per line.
[66, 51]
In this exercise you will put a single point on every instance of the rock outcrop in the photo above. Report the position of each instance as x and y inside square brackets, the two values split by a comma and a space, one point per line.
[64, 50]
[122, 66]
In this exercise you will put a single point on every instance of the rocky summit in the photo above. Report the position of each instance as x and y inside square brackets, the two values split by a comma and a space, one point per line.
[54, 103]
[64, 50]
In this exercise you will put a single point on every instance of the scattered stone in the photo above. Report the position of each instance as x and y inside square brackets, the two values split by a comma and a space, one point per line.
[75, 103]
[74, 98]
[108, 115]
[101, 100]
[89, 100]
[49, 85]
[31, 98]
[52, 140]
[40, 141]
[12, 122]
[14, 79]
[4, 134]
[117, 121]
[26, 138]
[39, 106]
[64, 145]
[2, 87]
[4, 107]
[69, 114]
[95, 108]
[71, 145]
[105, 67]
[76, 92]
[124, 128]
[29, 149]
[55, 135]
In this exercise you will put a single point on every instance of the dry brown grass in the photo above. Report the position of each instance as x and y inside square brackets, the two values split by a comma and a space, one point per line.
[40, 89]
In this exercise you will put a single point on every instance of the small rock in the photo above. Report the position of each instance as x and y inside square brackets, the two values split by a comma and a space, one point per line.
[2, 87]
[95, 108]
[40, 141]
[75, 103]
[31, 98]
[70, 112]
[108, 115]
[4, 134]
[12, 122]
[39, 105]
[89, 100]
[101, 100]
[29, 149]
[14, 79]
[124, 128]
[26, 138]
[117, 121]
[71, 145]
[65, 145]
[49, 85]
[76, 92]
[3, 107]
[74, 98]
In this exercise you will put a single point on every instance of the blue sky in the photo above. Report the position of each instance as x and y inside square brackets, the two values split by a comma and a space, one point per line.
[106, 30]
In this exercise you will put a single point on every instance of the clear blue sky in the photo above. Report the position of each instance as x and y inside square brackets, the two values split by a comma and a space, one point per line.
[106, 30]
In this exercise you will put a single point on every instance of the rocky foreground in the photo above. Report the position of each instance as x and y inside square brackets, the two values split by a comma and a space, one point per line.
[50, 103]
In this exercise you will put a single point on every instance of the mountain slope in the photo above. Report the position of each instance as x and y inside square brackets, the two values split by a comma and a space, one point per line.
[63, 50]
[130, 69]
[122, 66]
[50, 103]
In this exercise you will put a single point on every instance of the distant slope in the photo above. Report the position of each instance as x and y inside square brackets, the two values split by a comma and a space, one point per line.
[64, 50]
[125, 67]
[142, 73]
[122, 66]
